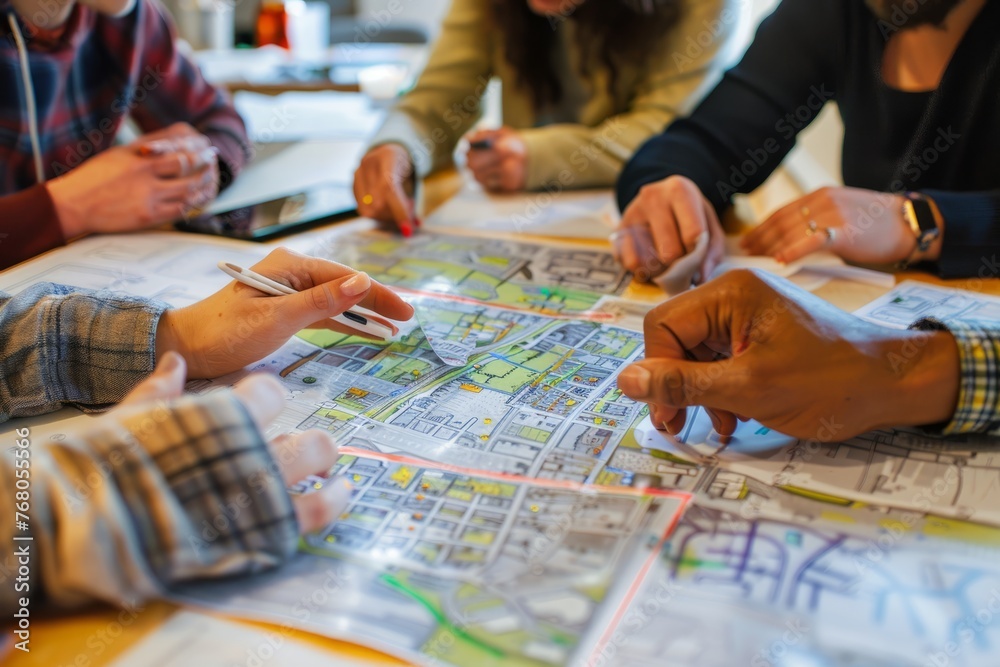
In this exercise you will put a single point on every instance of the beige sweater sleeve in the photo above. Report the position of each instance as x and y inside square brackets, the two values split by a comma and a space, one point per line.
[687, 65]
[446, 102]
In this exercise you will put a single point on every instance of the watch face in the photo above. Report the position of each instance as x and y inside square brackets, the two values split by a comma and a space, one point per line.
[922, 213]
[920, 216]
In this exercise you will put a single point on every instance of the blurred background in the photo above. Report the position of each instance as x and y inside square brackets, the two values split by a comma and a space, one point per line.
[271, 47]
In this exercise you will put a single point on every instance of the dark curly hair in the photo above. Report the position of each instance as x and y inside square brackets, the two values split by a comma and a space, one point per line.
[618, 32]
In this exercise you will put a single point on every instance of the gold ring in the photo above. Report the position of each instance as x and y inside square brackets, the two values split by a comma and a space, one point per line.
[805, 212]
[367, 200]
[812, 228]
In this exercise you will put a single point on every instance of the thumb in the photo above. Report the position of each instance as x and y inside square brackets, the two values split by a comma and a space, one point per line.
[263, 396]
[678, 383]
[165, 383]
[328, 299]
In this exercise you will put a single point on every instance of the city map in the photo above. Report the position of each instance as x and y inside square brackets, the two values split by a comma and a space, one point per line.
[531, 276]
[859, 553]
[512, 507]
[539, 400]
[439, 564]
[889, 534]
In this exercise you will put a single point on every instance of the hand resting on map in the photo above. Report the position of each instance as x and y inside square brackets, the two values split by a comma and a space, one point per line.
[749, 345]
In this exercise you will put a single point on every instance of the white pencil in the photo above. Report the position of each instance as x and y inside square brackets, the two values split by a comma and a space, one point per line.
[350, 318]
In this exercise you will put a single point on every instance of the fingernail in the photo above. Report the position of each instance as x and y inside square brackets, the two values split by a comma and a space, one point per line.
[636, 381]
[406, 230]
[668, 429]
[418, 222]
[359, 284]
[169, 362]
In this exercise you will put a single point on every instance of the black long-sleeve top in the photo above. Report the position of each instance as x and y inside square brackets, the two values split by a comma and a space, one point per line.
[944, 143]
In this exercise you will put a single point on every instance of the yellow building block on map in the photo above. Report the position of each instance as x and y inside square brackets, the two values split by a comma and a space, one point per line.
[403, 475]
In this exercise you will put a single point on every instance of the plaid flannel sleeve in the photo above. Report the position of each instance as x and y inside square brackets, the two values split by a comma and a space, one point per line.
[67, 346]
[978, 408]
[152, 497]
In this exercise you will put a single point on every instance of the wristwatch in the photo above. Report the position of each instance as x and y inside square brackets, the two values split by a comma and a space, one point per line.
[919, 215]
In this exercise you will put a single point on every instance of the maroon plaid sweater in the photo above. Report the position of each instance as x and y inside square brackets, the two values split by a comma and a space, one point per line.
[88, 76]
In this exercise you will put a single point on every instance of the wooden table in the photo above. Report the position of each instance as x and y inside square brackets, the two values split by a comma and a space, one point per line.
[98, 636]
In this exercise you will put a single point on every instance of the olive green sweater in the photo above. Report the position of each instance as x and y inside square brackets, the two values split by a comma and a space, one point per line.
[586, 140]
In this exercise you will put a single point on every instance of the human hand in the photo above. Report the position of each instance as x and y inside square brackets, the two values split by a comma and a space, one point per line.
[859, 225]
[384, 187]
[503, 165]
[664, 223]
[297, 456]
[239, 325]
[753, 345]
[124, 190]
[189, 145]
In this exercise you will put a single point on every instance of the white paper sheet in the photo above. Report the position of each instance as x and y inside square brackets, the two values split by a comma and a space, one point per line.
[590, 214]
[810, 272]
[912, 300]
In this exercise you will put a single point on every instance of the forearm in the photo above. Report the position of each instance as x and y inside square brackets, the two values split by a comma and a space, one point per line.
[61, 345]
[132, 508]
[922, 387]
[29, 225]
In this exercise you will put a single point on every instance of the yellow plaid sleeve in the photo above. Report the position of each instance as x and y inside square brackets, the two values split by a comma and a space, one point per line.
[978, 409]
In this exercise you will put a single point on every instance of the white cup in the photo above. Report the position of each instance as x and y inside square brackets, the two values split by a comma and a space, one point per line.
[382, 83]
